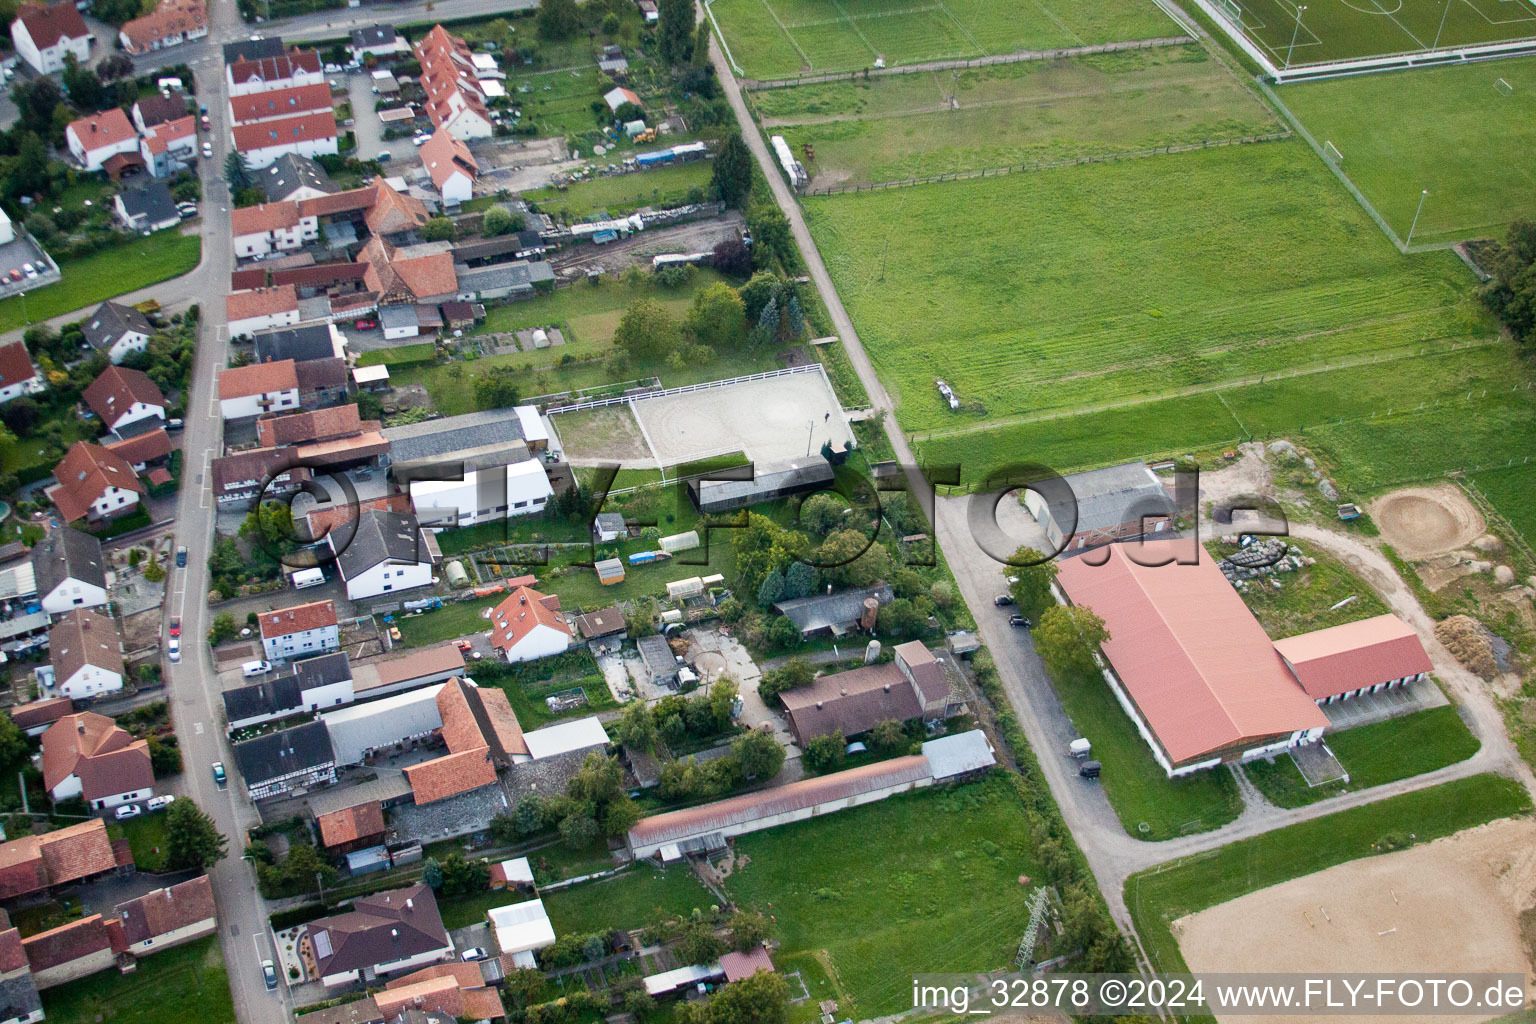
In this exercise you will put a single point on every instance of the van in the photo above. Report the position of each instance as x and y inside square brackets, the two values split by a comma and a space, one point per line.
[256, 668]
[384, 156]
[308, 578]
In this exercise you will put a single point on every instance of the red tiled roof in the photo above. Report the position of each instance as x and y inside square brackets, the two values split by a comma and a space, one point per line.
[1192, 656]
[75, 738]
[159, 137]
[299, 99]
[275, 69]
[351, 824]
[434, 995]
[117, 388]
[351, 201]
[75, 851]
[323, 520]
[451, 775]
[258, 379]
[476, 716]
[1342, 658]
[285, 131]
[851, 702]
[167, 910]
[321, 424]
[84, 474]
[13, 956]
[443, 154]
[520, 613]
[392, 212]
[476, 1000]
[265, 217]
[47, 24]
[244, 280]
[315, 615]
[40, 712]
[142, 448]
[104, 129]
[67, 943]
[743, 965]
[261, 302]
[15, 365]
[170, 20]
[406, 278]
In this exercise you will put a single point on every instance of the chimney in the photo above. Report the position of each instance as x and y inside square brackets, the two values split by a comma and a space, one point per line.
[410, 904]
[80, 726]
[843, 692]
[394, 933]
[818, 705]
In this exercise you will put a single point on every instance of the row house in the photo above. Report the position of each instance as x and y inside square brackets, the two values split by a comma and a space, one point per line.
[283, 71]
[261, 309]
[116, 331]
[171, 23]
[257, 389]
[308, 135]
[455, 98]
[170, 147]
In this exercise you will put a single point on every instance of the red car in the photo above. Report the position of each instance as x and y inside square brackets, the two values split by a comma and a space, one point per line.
[366, 325]
[15, 275]
[176, 625]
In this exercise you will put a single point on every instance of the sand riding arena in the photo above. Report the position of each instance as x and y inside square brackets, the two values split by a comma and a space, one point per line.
[1420, 522]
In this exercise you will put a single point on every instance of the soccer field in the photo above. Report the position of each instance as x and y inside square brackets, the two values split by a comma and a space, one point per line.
[1455, 131]
[922, 124]
[1329, 30]
[783, 38]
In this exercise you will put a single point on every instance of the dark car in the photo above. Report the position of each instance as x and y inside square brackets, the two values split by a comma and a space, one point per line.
[269, 974]
[1019, 620]
[181, 558]
[1003, 600]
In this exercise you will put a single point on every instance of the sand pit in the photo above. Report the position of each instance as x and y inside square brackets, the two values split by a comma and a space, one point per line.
[1457, 908]
[1423, 521]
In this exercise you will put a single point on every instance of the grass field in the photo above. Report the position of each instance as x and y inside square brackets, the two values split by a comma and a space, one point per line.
[1510, 492]
[1307, 595]
[1340, 30]
[1372, 755]
[634, 899]
[1449, 130]
[933, 886]
[146, 835]
[623, 194]
[904, 126]
[1160, 895]
[1110, 285]
[136, 263]
[183, 984]
[784, 38]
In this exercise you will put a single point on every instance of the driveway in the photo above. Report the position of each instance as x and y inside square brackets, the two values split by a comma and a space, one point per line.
[370, 130]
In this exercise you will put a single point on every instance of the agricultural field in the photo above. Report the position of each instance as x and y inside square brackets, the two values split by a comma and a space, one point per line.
[623, 194]
[784, 38]
[1341, 31]
[1454, 131]
[918, 125]
[935, 887]
[1510, 492]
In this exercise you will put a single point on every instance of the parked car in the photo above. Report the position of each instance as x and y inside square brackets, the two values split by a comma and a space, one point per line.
[475, 953]
[175, 625]
[420, 140]
[218, 773]
[464, 645]
[207, 124]
[173, 648]
[365, 325]
[208, 149]
[1003, 600]
[16, 274]
[333, 69]
[269, 974]
[251, 669]
[127, 811]
[181, 557]
[29, 270]
[174, 424]
[1019, 620]
[160, 803]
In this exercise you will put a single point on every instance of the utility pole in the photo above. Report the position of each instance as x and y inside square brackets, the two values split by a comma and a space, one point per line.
[1422, 196]
[1296, 32]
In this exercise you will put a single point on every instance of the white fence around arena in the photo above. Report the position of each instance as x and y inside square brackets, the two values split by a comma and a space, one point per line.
[599, 403]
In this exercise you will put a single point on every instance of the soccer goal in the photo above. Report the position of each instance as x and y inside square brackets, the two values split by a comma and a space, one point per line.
[1503, 87]
[1233, 10]
[1331, 152]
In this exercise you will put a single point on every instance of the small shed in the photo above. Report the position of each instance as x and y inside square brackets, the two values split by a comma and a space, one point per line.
[660, 662]
[457, 577]
[515, 873]
[608, 527]
[374, 858]
[371, 378]
[609, 571]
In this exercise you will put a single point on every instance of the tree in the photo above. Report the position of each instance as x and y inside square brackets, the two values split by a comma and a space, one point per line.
[850, 559]
[1031, 585]
[14, 747]
[732, 258]
[732, 176]
[793, 674]
[164, 754]
[822, 513]
[115, 66]
[82, 84]
[499, 220]
[192, 841]
[771, 241]
[1511, 293]
[154, 572]
[580, 830]
[748, 929]
[432, 873]
[758, 292]
[495, 389]
[38, 102]
[825, 753]
[904, 615]
[236, 173]
[20, 415]
[647, 331]
[799, 580]
[888, 734]
[674, 31]
[636, 727]
[30, 172]
[760, 999]
[558, 19]
[225, 628]
[639, 1003]
[759, 754]
[439, 229]
[699, 943]
[1066, 638]
[772, 588]
[718, 317]
[460, 876]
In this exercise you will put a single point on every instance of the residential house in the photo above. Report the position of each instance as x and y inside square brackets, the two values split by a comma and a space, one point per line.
[122, 396]
[145, 449]
[89, 756]
[270, 227]
[45, 33]
[451, 166]
[258, 389]
[299, 631]
[483, 736]
[417, 274]
[117, 330]
[18, 376]
[75, 950]
[34, 717]
[390, 213]
[913, 686]
[618, 96]
[265, 73]
[87, 655]
[171, 23]
[313, 684]
[168, 917]
[169, 147]
[277, 104]
[286, 761]
[19, 1001]
[301, 344]
[34, 864]
[239, 479]
[308, 135]
[158, 108]
[378, 40]
[387, 553]
[457, 990]
[455, 98]
[528, 625]
[95, 484]
[261, 309]
[291, 178]
[253, 48]
[95, 138]
[70, 571]
[322, 383]
[147, 209]
[384, 933]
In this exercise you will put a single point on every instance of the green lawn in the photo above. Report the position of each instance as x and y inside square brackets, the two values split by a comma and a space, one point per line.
[136, 263]
[903, 126]
[392, 356]
[550, 864]
[1110, 286]
[637, 898]
[1372, 755]
[1510, 491]
[558, 102]
[1339, 31]
[1161, 895]
[146, 835]
[927, 881]
[1449, 130]
[186, 983]
[1307, 595]
[623, 194]
[782, 38]
[1137, 787]
[25, 453]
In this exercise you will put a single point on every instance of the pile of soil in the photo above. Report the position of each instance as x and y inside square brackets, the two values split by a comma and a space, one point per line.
[1468, 640]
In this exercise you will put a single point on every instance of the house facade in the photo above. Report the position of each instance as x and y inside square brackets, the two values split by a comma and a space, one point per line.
[96, 138]
[300, 631]
[89, 756]
[18, 376]
[258, 389]
[87, 655]
[44, 34]
[70, 571]
[95, 484]
[122, 396]
[117, 331]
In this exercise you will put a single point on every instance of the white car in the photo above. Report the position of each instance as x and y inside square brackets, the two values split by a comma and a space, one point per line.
[476, 953]
[173, 648]
[333, 69]
[420, 140]
[208, 149]
[127, 811]
[160, 803]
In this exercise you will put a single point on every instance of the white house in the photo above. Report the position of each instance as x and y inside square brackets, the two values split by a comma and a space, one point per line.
[308, 135]
[17, 374]
[95, 138]
[87, 655]
[261, 309]
[455, 99]
[451, 166]
[379, 40]
[123, 396]
[492, 492]
[528, 625]
[94, 483]
[70, 571]
[45, 34]
[284, 71]
[316, 683]
[299, 631]
[258, 389]
[169, 147]
[117, 330]
[89, 756]
[271, 227]
[388, 553]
